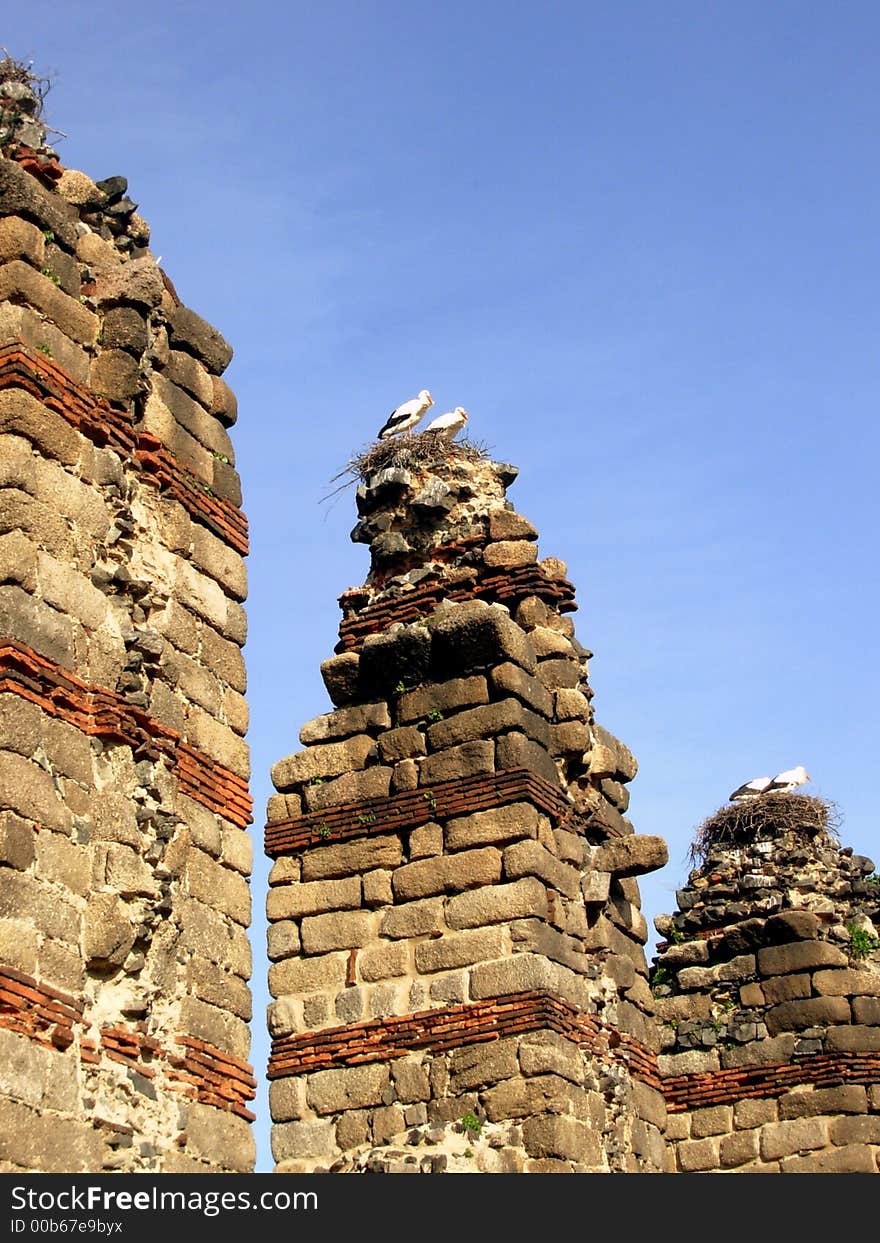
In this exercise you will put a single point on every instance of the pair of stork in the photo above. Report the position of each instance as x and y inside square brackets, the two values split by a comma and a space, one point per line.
[782, 783]
[405, 417]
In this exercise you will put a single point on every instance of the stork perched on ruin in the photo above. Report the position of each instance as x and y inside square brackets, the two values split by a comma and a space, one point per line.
[406, 416]
[782, 783]
[450, 424]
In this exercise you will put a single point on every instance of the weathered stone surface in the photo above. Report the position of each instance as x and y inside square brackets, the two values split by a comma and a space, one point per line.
[494, 827]
[698, 1155]
[511, 680]
[383, 961]
[569, 1138]
[339, 930]
[292, 901]
[471, 636]
[847, 982]
[349, 788]
[412, 919]
[189, 331]
[340, 676]
[136, 283]
[852, 1159]
[506, 524]
[358, 719]
[219, 1137]
[785, 988]
[356, 1087]
[79, 189]
[782, 1139]
[464, 761]
[224, 404]
[30, 1140]
[799, 956]
[486, 722]
[530, 858]
[401, 744]
[497, 904]
[631, 856]
[559, 673]
[442, 697]
[855, 1038]
[569, 738]
[108, 933]
[19, 239]
[468, 869]
[849, 1098]
[307, 975]
[625, 764]
[462, 950]
[329, 759]
[394, 661]
[116, 375]
[509, 553]
[811, 1012]
[346, 858]
[22, 195]
[515, 750]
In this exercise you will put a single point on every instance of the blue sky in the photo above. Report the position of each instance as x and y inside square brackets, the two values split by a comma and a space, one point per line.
[638, 241]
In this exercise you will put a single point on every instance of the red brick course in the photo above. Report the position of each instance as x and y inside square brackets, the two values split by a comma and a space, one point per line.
[105, 425]
[508, 587]
[452, 1027]
[724, 1087]
[105, 714]
[36, 1010]
[194, 1068]
[411, 808]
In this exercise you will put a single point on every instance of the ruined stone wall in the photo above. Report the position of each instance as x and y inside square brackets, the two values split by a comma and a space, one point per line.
[458, 964]
[768, 986]
[124, 806]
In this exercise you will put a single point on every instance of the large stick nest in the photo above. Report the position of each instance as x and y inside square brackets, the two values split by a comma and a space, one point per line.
[415, 451]
[762, 817]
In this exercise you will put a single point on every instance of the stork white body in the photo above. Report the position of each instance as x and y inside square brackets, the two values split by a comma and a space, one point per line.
[782, 783]
[450, 424]
[406, 416]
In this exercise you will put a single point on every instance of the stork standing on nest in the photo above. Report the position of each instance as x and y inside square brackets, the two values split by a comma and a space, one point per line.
[449, 425]
[405, 417]
[782, 783]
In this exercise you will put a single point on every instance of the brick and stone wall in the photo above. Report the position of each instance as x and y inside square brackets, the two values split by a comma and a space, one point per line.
[768, 988]
[124, 805]
[457, 948]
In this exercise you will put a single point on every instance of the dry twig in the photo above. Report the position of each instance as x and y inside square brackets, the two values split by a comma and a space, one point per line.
[762, 817]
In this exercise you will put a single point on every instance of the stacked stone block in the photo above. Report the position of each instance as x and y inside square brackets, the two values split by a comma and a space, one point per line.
[457, 946]
[768, 985]
[124, 805]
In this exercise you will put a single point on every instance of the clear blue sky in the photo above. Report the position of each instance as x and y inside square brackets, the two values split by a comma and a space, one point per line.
[637, 240]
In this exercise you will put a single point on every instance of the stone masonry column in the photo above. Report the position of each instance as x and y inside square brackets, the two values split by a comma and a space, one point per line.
[457, 946]
[124, 804]
[768, 988]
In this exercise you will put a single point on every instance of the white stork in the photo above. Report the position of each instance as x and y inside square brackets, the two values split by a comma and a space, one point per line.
[782, 783]
[449, 425]
[406, 416]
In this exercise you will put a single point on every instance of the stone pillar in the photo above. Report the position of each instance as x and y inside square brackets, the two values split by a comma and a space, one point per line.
[769, 988]
[457, 947]
[124, 805]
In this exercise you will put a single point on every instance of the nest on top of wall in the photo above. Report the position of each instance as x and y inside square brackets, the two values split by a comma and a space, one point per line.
[764, 817]
[415, 451]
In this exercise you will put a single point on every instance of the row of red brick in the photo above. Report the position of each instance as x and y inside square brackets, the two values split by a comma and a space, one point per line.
[455, 1026]
[105, 714]
[196, 1068]
[410, 808]
[46, 380]
[508, 587]
[725, 1087]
